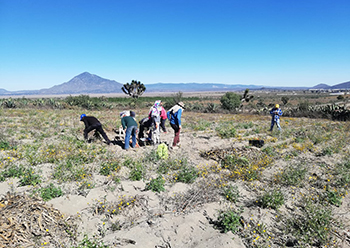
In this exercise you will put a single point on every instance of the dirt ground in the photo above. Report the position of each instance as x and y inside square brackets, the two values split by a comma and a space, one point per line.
[153, 222]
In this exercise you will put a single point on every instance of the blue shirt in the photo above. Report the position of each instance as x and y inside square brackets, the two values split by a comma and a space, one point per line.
[276, 113]
[175, 118]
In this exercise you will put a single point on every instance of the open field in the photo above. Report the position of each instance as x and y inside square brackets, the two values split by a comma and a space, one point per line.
[215, 190]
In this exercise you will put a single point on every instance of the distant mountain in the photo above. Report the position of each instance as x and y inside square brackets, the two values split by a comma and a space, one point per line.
[4, 92]
[321, 86]
[345, 85]
[86, 83]
[83, 84]
[196, 87]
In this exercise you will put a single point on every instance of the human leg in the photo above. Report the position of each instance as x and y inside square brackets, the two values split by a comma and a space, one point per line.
[156, 133]
[87, 131]
[127, 138]
[162, 125]
[176, 133]
[272, 124]
[133, 136]
[278, 124]
[102, 132]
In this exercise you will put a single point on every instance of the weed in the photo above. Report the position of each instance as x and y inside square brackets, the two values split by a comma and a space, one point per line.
[291, 176]
[226, 130]
[156, 185]
[231, 193]
[12, 171]
[312, 226]
[108, 167]
[333, 197]
[271, 199]
[49, 192]
[229, 220]
[30, 178]
[87, 243]
[137, 172]
[187, 174]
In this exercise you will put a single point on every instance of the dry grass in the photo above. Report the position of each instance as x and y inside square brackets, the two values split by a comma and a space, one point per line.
[308, 162]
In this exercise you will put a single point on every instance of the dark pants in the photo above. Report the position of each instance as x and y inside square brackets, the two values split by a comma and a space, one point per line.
[144, 127]
[98, 128]
[177, 134]
[162, 125]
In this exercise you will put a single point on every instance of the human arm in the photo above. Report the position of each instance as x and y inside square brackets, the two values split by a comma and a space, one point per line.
[179, 114]
[123, 123]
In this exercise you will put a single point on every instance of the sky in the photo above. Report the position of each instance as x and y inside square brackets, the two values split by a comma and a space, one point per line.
[262, 42]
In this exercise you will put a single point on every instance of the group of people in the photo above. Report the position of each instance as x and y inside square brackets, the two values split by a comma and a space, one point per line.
[152, 124]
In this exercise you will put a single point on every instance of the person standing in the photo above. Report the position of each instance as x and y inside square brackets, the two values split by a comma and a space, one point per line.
[163, 117]
[174, 115]
[92, 123]
[130, 128]
[154, 115]
[276, 112]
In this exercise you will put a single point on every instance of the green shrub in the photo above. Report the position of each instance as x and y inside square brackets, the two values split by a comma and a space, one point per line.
[49, 192]
[87, 243]
[312, 226]
[187, 174]
[137, 172]
[272, 199]
[29, 178]
[334, 197]
[108, 167]
[292, 176]
[12, 171]
[231, 193]
[229, 220]
[156, 185]
[226, 130]
[230, 101]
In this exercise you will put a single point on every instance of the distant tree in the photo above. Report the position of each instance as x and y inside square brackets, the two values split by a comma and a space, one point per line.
[246, 97]
[134, 89]
[340, 97]
[230, 101]
[284, 99]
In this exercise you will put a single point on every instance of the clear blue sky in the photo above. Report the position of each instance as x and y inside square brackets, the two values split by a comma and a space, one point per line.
[265, 42]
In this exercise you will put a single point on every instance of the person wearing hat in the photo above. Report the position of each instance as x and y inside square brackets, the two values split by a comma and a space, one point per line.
[174, 116]
[154, 115]
[276, 112]
[92, 123]
[130, 127]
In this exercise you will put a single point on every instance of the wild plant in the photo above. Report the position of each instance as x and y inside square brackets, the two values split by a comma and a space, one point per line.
[12, 171]
[333, 197]
[226, 130]
[86, 242]
[49, 192]
[156, 184]
[256, 234]
[272, 199]
[229, 220]
[71, 170]
[312, 226]
[137, 172]
[291, 176]
[231, 193]
[30, 178]
[107, 168]
[186, 174]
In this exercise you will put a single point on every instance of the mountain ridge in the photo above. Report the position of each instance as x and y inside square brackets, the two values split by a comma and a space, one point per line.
[87, 83]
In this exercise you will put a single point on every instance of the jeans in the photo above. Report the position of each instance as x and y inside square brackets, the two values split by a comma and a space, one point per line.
[277, 122]
[130, 131]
